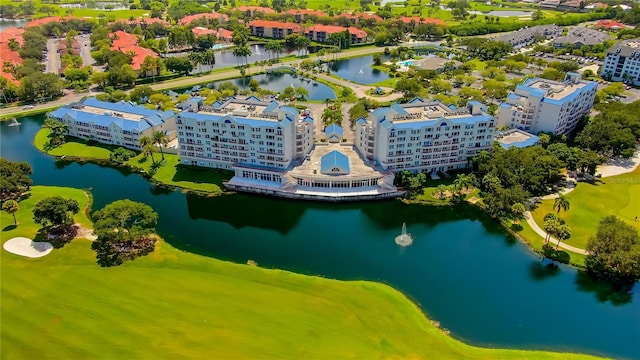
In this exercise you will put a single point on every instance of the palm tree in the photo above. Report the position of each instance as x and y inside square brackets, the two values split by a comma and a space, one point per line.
[146, 144]
[517, 210]
[561, 202]
[242, 51]
[11, 206]
[463, 181]
[551, 224]
[57, 128]
[563, 232]
[160, 138]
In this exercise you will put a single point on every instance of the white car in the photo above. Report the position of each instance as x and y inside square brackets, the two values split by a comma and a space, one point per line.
[27, 107]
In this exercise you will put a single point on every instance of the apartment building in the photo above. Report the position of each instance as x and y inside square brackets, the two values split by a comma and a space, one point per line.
[541, 105]
[121, 123]
[425, 136]
[320, 33]
[529, 35]
[622, 62]
[242, 132]
[273, 29]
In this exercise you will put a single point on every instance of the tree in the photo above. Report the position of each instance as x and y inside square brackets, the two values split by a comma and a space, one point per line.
[241, 51]
[561, 203]
[11, 207]
[39, 86]
[58, 129]
[614, 252]
[301, 93]
[126, 216]
[56, 211]
[254, 85]
[146, 144]
[160, 139]
[140, 92]
[274, 47]
[179, 64]
[551, 224]
[440, 192]
[563, 233]
[14, 179]
[517, 211]
[463, 181]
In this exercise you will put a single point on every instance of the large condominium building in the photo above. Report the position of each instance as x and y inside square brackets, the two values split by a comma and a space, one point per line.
[541, 105]
[244, 132]
[529, 35]
[425, 136]
[273, 29]
[622, 62]
[321, 33]
[120, 123]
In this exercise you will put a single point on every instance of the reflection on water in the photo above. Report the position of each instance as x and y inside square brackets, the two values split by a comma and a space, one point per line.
[460, 269]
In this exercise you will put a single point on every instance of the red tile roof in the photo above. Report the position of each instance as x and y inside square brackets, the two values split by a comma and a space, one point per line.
[252, 9]
[12, 33]
[201, 31]
[6, 54]
[46, 20]
[332, 29]
[610, 24]
[305, 12]
[275, 24]
[126, 43]
[214, 15]
[9, 77]
[225, 34]
[362, 16]
[417, 20]
[144, 20]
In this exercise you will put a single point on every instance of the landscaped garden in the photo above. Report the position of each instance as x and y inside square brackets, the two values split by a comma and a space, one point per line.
[168, 171]
[591, 202]
[174, 304]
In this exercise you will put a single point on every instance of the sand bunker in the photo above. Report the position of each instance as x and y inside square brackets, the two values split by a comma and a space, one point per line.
[26, 247]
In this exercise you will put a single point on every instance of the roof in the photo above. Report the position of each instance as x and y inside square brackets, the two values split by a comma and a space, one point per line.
[333, 128]
[263, 9]
[417, 20]
[436, 62]
[625, 48]
[126, 43]
[213, 15]
[145, 20]
[275, 24]
[334, 159]
[332, 29]
[89, 111]
[610, 24]
[516, 138]
[305, 12]
[361, 16]
[50, 19]
[201, 31]
[528, 33]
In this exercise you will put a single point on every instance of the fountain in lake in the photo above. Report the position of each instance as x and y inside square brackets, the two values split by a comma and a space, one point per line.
[257, 50]
[361, 72]
[404, 239]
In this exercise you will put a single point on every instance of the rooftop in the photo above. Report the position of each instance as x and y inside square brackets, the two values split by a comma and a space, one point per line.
[312, 166]
[516, 138]
[275, 24]
[251, 111]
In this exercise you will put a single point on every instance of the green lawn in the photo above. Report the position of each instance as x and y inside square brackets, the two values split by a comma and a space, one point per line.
[172, 304]
[168, 172]
[617, 195]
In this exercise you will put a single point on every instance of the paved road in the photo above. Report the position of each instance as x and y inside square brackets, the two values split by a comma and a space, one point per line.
[85, 50]
[226, 74]
[53, 57]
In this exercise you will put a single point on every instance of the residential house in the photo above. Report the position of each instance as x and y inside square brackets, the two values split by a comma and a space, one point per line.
[622, 62]
[529, 35]
[222, 18]
[578, 36]
[320, 33]
[273, 29]
[128, 44]
[301, 15]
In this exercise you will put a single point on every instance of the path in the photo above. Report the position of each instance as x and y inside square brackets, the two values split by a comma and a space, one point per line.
[226, 74]
[552, 240]
[611, 168]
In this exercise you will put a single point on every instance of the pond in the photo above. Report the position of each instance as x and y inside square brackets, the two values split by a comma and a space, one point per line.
[502, 13]
[358, 70]
[279, 81]
[462, 269]
[9, 23]
[226, 59]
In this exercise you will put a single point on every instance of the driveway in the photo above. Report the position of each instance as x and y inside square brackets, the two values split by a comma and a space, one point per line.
[52, 64]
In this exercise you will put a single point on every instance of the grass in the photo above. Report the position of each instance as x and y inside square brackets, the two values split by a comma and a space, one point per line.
[173, 304]
[168, 172]
[616, 195]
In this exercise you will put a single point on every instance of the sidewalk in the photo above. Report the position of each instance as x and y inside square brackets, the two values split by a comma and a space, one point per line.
[552, 240]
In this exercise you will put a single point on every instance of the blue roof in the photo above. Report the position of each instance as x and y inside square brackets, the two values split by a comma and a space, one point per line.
[467, 120]
[272, 106]
[521, 144]
[474, 102]
[239, 120]
[505, 106]
[333, 128]
[195, 99]
[361, 121]
[149, 118]
[398, 109]
[334, 159]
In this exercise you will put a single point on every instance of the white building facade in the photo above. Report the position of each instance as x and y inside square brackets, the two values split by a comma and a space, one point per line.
[249, 133]
[120, 124]
[622, 63]
[541, 105]
[425, 136]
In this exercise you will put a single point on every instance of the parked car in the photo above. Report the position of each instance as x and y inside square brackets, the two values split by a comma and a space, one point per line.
[27, 107]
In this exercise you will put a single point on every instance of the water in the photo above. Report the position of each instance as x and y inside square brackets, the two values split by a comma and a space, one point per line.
[9, 23]
[358, 70]
[502, 13]
[226, 59]
[279, 81]
[462, 269]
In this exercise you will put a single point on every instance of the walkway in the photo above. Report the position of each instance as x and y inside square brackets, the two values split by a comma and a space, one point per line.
[611, 168]
[228, 74]
[552, 240]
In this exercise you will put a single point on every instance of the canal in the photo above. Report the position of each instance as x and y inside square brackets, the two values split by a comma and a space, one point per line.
[462, 269]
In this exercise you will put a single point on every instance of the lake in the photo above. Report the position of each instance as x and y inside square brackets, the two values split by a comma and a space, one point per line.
[279, 81]
[225, 58]
[463, 270]
[9, 23]
[358, 70]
